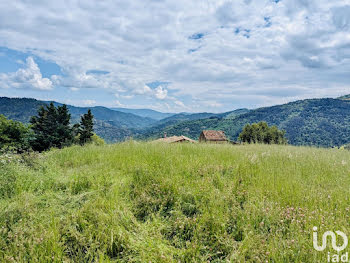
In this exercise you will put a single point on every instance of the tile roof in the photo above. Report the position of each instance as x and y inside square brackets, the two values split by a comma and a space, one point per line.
[211, 135]
[175, 139]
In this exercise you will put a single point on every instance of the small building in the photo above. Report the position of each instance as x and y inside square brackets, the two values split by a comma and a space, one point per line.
[175, 139]
[213, 136]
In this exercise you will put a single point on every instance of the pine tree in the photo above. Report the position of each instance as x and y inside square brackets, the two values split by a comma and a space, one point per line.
[64, 131]
[86, 128]
[51, 128]
[42, 140]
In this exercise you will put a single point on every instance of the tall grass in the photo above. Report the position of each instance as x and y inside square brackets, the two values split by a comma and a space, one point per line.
[144, 202]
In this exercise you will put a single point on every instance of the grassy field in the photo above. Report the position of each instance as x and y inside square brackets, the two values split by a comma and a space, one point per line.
[144, 202]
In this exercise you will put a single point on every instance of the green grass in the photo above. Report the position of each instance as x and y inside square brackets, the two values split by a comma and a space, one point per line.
[145, 202]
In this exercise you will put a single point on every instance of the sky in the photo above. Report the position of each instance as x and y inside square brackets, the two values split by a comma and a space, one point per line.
[175, 55]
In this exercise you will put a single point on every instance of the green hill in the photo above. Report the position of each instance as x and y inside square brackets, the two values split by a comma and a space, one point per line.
[109, 124]
[178, 124]
[319, 122]
[19, 109]
[180, 117]
[138, 202]
[345, 97]
[115, 118]
[233, 114]
[156, 115]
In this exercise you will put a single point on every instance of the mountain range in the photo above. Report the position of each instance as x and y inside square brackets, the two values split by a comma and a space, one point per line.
[147, 113]
[318, 122]
[109, 124]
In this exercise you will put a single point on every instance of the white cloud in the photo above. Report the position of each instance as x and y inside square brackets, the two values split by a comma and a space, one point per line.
[28, 77]
[179, 103]
[128, 97]
[89, 102]
[19, 61]
[142, 90]
[118, 103]
[242, 52]
[341, 17]
[161, 93]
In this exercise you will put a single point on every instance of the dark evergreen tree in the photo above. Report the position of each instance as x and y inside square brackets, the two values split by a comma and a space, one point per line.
[51, 128]
[64, 130]
[86, 127]
[42, 140]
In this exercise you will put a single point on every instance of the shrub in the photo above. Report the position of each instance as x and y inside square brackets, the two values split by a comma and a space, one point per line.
[14, 136]
[262, 133]
[97, 140]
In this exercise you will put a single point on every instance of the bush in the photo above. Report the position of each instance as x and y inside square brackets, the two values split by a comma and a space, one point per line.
[14, 136]
[97, 140]
[262, 133]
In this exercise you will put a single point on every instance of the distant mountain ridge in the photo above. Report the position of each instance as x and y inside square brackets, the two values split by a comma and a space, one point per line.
[117, 118]
[185, 117]
[318, 122]
[177, 119]
[345, 97]
[147, 113]
[109, 124]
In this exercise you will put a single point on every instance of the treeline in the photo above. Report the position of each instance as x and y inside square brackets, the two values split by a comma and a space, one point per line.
[14, 135]
[51, 128]
[262, 133]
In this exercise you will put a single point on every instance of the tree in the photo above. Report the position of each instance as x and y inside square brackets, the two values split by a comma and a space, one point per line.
[86, 127]
[64, 131]
[262, 133]
[14, 135]
[51, 128]
[97, 140]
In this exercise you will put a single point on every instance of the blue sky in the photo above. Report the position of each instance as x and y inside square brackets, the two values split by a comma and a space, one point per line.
[173, 56]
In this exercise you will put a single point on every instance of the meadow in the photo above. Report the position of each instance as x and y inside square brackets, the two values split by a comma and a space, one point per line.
[147, 202]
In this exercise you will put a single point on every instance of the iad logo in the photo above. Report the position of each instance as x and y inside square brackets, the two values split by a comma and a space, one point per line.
[334, 240]
[335, 257]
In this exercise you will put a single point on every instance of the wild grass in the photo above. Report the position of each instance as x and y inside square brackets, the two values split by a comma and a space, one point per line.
[145, 202]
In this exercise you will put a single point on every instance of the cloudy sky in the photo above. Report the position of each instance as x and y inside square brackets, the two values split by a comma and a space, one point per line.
[175, 55]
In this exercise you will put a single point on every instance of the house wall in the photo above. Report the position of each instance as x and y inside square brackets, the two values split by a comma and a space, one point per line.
[202, 138]
[217, 142]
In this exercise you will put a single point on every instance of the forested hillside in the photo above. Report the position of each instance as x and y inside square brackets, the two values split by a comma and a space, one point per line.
[345, 97]
[148, 113]
[319, 122]
[115, 118]
[19, 109]
[181, 117]
[109, 124]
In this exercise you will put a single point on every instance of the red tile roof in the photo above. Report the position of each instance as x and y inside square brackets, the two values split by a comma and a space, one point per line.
[211, 135]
